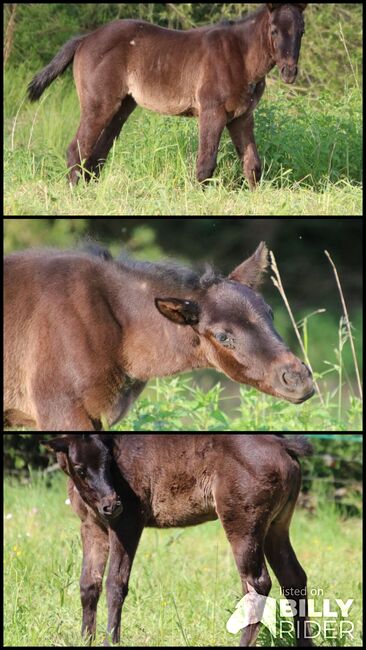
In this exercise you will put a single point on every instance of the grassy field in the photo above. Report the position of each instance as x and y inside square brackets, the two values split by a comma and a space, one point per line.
[310, 146]
[184, 584]
[309, 135]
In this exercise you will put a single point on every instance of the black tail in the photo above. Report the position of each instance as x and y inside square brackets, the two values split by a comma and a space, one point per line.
[62, 59]
[297, 446]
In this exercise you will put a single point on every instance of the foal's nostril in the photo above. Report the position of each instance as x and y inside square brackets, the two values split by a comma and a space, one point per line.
[111, 508]
[291, 379]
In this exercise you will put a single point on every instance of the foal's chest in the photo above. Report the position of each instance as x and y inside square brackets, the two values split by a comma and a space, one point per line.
[246, 102]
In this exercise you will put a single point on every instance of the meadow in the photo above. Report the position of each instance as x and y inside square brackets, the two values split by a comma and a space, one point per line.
[184, 584]
[309, 138]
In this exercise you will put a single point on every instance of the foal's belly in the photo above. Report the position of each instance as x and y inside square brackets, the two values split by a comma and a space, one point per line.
[163, 102]
[175, 520]
[182, 505]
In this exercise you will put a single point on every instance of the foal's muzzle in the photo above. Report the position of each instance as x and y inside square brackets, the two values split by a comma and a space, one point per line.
[289, 73]
[292, 380]
[296, 382]
[110, 507]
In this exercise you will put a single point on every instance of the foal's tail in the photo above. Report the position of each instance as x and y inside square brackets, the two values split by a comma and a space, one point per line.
[297, 446]
[62, 59]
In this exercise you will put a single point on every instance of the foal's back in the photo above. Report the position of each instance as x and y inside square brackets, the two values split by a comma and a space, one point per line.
[178, 478]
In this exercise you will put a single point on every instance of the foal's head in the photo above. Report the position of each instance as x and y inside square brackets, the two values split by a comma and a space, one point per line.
[88, 460]
[235, 333]
[286, 29]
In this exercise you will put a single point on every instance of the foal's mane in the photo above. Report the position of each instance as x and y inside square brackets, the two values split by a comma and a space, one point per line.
[174, 276]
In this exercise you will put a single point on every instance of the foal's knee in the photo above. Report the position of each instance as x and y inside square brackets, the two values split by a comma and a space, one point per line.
[90, 592]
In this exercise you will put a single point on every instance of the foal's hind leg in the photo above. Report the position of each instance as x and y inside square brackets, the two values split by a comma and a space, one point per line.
[288, 570]
[246, 530]
[100, 124]
[109, 134]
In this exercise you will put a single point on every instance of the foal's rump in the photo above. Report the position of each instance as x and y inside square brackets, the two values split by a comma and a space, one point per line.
[262, 470]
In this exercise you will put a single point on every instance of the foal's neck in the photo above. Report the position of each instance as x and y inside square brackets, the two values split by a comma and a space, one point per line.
[255, 45]
[152, 345]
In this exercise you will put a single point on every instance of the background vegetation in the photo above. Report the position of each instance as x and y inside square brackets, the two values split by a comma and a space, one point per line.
[205, 400]
[309, 136]
[184, 584]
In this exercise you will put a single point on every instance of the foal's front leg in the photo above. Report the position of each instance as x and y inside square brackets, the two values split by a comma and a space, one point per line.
[242, 134]
[124, 538]
[95, 541]
[95, 555]
[212, 122]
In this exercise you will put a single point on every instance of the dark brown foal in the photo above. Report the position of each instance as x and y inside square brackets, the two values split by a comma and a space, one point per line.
[122, 483]
[216, 73]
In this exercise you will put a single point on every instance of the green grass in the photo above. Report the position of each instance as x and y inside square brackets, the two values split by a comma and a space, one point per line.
[184, 584]
[178, 404]
[310, 146]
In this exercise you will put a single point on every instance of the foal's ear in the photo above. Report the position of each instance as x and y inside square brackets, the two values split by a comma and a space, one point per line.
[61, 447]
[182, 312]
[251, 271]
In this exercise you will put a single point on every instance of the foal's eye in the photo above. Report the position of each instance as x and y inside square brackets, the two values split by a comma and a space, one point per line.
[225, 339]
[222, 337]
[81, 471]
[274, 32]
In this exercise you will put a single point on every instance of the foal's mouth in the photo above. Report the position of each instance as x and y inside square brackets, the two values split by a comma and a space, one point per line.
[299, 400]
